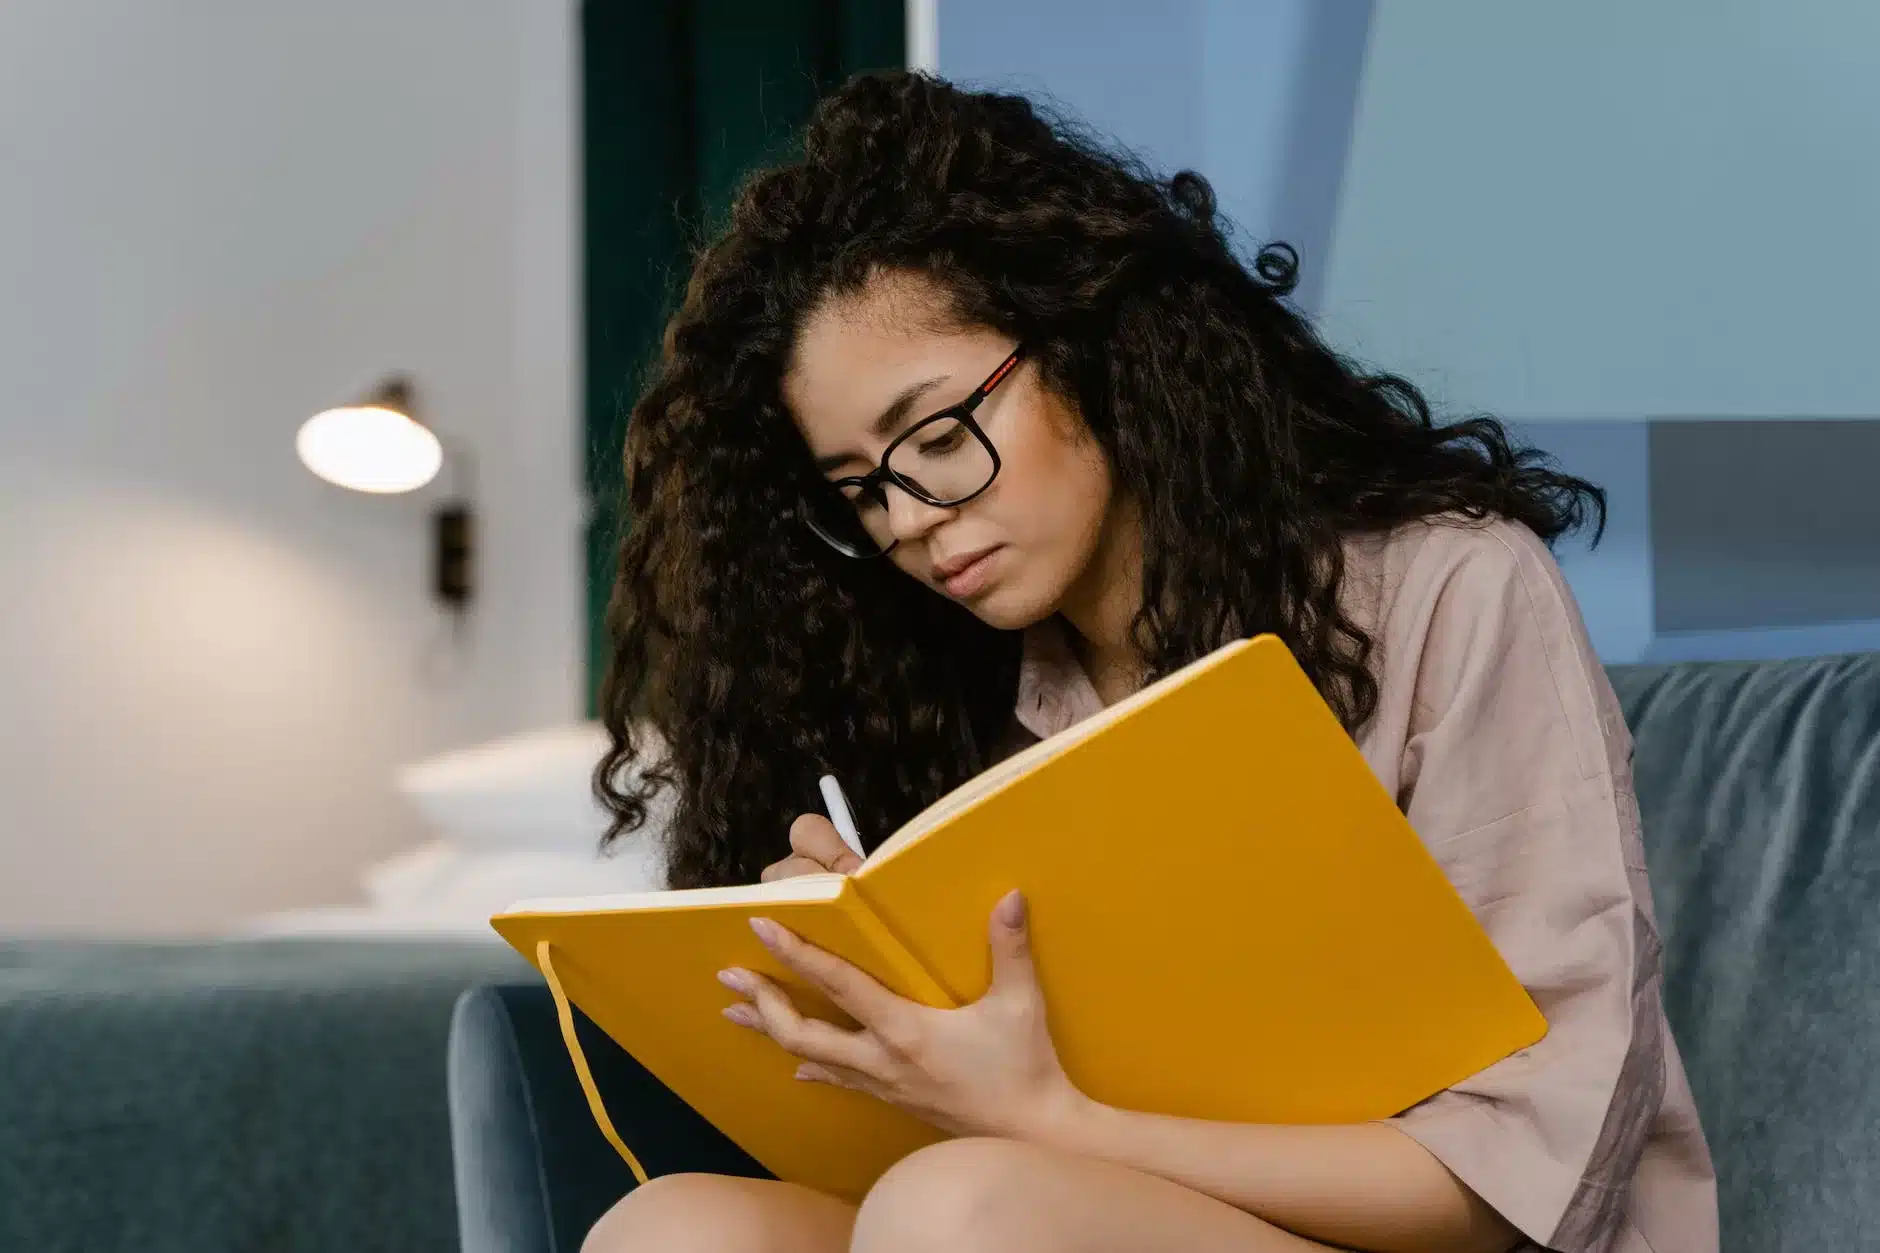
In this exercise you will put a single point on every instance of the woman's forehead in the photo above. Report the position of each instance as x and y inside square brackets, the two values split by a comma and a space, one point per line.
[836, 359]
[841, 385]
[850, 363]
[880, 326]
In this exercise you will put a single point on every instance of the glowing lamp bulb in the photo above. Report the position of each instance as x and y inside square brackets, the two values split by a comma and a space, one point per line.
[369, 448]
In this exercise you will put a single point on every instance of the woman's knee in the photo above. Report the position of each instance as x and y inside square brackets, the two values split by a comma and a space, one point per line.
[660, 1213]
[959, 1194]
[720, 1214]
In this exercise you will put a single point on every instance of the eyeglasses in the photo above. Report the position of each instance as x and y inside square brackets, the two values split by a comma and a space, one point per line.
[943, 460]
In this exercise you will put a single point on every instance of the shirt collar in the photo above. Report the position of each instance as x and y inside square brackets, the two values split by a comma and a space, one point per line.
[1054, 693]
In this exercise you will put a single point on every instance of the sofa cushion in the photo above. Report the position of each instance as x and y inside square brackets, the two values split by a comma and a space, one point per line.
[1760, 789]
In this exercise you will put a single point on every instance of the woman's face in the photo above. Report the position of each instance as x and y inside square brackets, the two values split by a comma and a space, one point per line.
[1014, 553]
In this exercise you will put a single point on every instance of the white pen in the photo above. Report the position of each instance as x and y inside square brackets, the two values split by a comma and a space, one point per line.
[841, 815]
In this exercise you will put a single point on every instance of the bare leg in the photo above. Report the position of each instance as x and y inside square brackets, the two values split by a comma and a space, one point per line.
[722, 1214]
[1002, 1196]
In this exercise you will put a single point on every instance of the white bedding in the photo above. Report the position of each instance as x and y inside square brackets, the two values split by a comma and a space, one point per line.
[440, 889]
[515, 818]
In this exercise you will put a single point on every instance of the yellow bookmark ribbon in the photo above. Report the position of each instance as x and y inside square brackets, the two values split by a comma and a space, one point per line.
[565, 1013]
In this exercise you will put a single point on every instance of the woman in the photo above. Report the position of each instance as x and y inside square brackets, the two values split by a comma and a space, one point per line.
[966, 429]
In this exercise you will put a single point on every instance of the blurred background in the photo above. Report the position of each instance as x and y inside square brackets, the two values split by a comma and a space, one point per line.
[271, 729]
[1643, 233]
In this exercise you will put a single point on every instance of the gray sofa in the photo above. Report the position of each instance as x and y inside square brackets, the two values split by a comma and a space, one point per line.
[1760, 785]
[230, 1097]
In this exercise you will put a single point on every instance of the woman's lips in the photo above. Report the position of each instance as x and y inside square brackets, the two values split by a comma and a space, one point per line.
[974, 577]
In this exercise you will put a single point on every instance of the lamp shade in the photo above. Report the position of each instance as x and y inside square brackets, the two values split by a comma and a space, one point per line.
[376, 446]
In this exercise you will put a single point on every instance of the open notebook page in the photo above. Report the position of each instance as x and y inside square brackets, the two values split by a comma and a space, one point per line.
[806, 887]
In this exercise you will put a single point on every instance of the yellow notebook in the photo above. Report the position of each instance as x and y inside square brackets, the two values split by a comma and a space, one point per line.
[1230, 918]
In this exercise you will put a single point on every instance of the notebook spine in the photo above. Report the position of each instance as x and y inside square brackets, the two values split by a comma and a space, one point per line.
[918, 983]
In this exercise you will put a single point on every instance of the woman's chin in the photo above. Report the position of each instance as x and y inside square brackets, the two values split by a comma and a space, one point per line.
[1010, 609]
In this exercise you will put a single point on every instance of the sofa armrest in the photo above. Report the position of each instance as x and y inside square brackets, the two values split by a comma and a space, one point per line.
[533, 1172]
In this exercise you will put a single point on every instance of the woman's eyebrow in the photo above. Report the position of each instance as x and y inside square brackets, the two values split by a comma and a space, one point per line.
[888, 419]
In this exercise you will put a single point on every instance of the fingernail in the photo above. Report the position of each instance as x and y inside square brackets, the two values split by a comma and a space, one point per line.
[741, 1014]
[804, 1072]
[1012, 909]
[767, 931]
[736, 980]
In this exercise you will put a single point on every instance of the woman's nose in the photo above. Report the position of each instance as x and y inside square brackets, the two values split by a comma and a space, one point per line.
[910, 517]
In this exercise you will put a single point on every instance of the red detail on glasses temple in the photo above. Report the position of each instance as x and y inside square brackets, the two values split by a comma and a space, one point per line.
[1001, 372]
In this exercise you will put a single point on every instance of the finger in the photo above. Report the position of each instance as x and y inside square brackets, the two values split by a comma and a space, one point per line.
[810, 1039]
[790, 867]
[852, 990]
[815, 837]
[1013, 974]
[840, 1077]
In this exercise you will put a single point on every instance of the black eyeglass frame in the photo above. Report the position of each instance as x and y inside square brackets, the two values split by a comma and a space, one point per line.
[875, 482]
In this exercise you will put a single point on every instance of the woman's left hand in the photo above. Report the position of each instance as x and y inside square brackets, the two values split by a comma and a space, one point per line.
[988, 1068]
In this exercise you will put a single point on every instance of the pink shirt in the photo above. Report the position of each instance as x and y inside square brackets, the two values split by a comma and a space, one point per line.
[1504, 744]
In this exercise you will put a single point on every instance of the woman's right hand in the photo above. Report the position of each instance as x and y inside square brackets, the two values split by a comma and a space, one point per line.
[815, 848]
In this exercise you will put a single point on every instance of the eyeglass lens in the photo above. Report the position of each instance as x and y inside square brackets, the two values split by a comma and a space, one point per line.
[942, 461]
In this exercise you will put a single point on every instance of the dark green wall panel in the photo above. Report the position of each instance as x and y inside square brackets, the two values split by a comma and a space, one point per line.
[679, 101]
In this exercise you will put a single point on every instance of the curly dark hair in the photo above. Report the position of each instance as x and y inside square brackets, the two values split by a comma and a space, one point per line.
[764, 659]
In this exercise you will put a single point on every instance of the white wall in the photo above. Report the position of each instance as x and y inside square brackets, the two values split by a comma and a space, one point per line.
[214, 220]
[1614, 209]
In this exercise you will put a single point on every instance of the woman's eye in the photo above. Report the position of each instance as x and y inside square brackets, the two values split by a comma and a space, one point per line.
[945, 443]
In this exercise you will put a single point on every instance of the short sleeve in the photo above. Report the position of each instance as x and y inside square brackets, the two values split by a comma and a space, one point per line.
[1515, 771]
